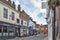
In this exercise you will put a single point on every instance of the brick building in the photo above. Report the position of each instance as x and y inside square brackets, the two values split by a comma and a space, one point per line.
[42, 29]
[24, 20]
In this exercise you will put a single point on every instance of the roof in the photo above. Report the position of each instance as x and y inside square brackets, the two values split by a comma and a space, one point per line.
[23, 15]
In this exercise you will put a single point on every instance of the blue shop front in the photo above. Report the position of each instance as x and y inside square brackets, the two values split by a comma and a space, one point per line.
[30, 31]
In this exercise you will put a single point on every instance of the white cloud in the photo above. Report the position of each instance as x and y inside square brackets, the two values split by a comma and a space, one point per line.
[17, 2]
[11, 0]
[43, 11]
[42, 21]
[36, 3]
[34, 13]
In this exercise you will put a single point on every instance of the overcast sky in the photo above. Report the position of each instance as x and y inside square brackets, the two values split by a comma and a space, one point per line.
[33, 8]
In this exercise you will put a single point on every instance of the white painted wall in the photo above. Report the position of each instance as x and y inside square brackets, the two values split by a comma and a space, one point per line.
[2, 6]
[31, 24]
[24, 22]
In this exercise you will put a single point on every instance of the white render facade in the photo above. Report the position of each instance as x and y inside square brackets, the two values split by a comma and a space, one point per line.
[10, 10]
[24, 27]
[31, 24]
[7, 22]
[31, 27]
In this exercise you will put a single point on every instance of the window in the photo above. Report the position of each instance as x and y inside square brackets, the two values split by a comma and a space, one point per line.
[11, 31]
[5, 13]
[44, 5]
[0, 29]
[42, 0]
[12, 15]
[5, 29]
[18, 21]
[21, 21]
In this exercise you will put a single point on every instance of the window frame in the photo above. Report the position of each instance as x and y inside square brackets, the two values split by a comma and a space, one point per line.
[22, 22]
[5, 13]
[13, 16]
[5, 29]
[18, 21]
[0, 29]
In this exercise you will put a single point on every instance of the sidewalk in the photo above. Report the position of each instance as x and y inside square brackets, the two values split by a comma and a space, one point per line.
[46, 38]
[21, 38]
[29, 37]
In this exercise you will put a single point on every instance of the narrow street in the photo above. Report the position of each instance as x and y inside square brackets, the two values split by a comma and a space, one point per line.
[24, 20]
[38, 37]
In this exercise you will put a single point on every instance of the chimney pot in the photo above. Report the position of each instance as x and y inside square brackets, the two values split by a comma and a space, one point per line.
[19, 8]
[9, 1]
[13, 4]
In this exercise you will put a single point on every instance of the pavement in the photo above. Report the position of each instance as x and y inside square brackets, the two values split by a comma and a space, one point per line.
[46, 38]
[37, 37]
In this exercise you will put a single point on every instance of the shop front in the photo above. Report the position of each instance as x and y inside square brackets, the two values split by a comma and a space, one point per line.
[7, 30]
[24, 30]
[30, 31]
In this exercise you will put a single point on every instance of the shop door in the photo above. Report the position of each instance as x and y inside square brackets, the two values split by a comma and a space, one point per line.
[18, 32]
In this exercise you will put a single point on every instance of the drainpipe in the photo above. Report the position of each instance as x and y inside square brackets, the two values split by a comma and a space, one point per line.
[54, 26]
[54, 19]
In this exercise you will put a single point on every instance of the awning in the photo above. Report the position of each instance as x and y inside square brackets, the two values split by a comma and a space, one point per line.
[9, 24]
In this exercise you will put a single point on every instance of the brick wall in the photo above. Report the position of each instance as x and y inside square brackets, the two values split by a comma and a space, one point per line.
[42, 29]
[24, 16]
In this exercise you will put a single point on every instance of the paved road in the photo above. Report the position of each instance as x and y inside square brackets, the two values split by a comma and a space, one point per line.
[38, 37]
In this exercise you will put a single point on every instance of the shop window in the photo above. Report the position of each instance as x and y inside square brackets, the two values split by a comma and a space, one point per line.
[10, 31]
[5, 29]
[0, 29]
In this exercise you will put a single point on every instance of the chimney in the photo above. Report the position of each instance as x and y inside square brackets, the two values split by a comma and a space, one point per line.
[13, 5]
[4, 1]
[19, 8]
[9, 1]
